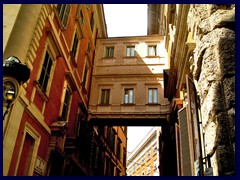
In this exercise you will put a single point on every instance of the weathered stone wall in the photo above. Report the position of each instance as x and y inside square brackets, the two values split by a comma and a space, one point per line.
[214, 75]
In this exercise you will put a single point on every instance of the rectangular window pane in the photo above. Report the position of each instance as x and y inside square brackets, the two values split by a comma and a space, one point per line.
[66, 104]
[152, 95]
[45, 73]
[152, 50]
[63, 12]
[128, 96]
[92, 22]
[155, 95]
[109, 52]
[130, 51]
[131, 96]
[75, 44]
[105, 96]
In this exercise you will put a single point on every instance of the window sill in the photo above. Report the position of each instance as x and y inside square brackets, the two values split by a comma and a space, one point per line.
[40, 91]
[128, 104]
[104, 104]
[152, 104]
[152, 56]
[130, 57]
[109, 57]
[73, 59]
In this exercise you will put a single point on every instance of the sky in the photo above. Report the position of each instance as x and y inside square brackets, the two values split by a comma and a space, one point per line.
[128, 20]
[135, 135]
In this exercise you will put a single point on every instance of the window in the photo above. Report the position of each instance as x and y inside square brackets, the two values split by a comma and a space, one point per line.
[75, 45]
[152, 50]
[80, 15]
[143, 159]
[124, 156]
[130, 51]
[85, 75]
[128, 96]
[119, 148]
[63, 12]
[153, 95]
[148, 170]
[155, 149]
[111, 138]
[109, 52]
[149, 154]
[155, 164]
[66, 104]
[105, 96]
[89, 47]
[92, 22]
[45, 73]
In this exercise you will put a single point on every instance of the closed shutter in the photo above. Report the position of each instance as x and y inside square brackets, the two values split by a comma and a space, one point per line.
[184, 143]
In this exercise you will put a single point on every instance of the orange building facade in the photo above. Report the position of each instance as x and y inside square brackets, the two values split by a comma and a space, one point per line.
[45, 131]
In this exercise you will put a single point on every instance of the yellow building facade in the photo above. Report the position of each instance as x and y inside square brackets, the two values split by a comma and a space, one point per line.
[144, 160]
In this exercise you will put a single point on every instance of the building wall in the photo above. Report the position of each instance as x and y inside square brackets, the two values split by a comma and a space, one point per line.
[119, 72]
[213, 70]
[144, 160]
[200, 44]
[34, 121]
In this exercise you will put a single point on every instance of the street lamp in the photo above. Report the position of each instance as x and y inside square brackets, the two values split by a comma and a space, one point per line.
[14, 74]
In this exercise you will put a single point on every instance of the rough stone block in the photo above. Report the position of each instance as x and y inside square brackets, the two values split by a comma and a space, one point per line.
[231, 116]
[219, 19]
[226, 165]
[229, 92]
[223, 130]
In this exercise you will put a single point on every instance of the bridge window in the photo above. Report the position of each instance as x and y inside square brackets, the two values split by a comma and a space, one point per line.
[130, 51]
[128, 96]
[109, 52]
[152, 50]
[152, 95]
[105, 96]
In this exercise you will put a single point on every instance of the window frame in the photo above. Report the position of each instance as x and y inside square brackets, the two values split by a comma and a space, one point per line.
[130, 97]
[80, 15]
[154, 46]
[92, 22]
[66, 89]
[132, 49]
[63, 13]
[45, 72]
[109, 52]
[102, 100]
[153, 99]
[75, 48]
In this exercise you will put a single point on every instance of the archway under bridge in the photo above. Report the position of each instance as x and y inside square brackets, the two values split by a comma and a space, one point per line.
[128, 122]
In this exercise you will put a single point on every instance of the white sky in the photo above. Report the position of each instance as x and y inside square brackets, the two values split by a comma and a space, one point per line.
[126, 19]
[136, 135]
